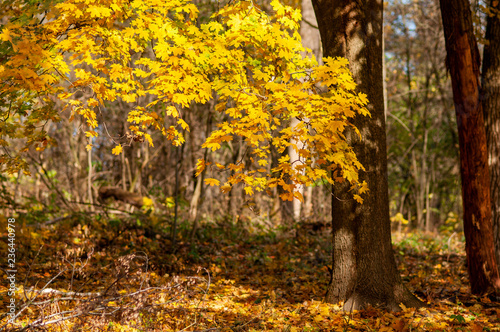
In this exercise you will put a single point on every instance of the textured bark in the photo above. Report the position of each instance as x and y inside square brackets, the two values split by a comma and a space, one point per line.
[364, 268]
[463, 64]
[491, 111]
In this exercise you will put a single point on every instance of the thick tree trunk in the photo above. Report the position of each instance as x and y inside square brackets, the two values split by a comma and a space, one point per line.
[463, 64]
[491, 111]
[364, 268]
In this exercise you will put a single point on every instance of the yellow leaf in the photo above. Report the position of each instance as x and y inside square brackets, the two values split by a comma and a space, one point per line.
[149, 139]
[6, 35]
[286, 77]
[236, 168]
[91, 133]
[200, 166]
[249, 191]
[65, 95]
[298, 196]
[117, 150]
[172, 111]
[92, 102]
[286, 196]
[225, 188]
[183, 124]
[324, 309]
[212, 182]
[358, 198]
[96, 12]
[146, 201]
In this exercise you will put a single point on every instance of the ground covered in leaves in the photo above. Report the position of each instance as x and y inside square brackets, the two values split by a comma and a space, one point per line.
[114, 272]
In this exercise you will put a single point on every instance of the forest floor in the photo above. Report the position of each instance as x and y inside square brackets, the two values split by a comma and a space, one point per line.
[104, 272]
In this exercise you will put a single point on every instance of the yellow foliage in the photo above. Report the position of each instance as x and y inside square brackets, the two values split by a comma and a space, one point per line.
[117, 150]
[251, 61]
[212, 182]
[399, 218]
[147, 202]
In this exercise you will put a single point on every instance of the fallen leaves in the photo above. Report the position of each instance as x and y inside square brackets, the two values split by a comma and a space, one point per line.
[227, 279]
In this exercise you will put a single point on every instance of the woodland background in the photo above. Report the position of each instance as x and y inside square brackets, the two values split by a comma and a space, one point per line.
[422, 146]
[216, 261]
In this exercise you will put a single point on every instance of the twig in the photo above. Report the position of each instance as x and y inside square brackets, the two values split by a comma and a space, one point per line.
[97, 303]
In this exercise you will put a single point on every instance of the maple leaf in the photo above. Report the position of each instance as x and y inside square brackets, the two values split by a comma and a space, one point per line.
[358, 198]
[200, 166]
[248, 191]
[6, 35]
[117, 150]
[183, 124]
[212, 182]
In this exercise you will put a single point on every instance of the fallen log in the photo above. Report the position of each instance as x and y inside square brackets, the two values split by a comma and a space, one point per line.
[119, 194]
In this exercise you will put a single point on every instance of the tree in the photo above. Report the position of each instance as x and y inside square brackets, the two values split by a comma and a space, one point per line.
[156, 58]
[491, 108]
[364, 268]
[310, 40]
[463, 63]
[421, 131]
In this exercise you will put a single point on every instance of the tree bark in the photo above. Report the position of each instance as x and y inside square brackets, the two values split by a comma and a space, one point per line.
[364, 268]
[463, 64]
[491, 111]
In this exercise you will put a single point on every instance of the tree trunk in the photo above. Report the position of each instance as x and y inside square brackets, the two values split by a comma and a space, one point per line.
[491, 111]
[364, 268]
[311, 40]
[463, 63]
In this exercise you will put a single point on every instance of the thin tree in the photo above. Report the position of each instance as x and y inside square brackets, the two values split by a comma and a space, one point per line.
[463, 62]
[311, 40]
[364, 268]
[491, 109]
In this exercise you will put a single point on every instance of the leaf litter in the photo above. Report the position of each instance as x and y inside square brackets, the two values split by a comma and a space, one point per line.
[122, 274]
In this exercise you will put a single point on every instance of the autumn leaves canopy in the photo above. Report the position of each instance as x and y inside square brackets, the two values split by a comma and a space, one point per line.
[161, 57]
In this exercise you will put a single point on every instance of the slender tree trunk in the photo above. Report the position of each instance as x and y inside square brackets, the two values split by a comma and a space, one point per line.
[364, 268]
[294, 156]
[418, 192]
[463, 63]
[89, 177]
[491, 111]
[310, 39]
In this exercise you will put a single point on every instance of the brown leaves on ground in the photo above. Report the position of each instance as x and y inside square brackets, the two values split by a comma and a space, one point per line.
[122, 274]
